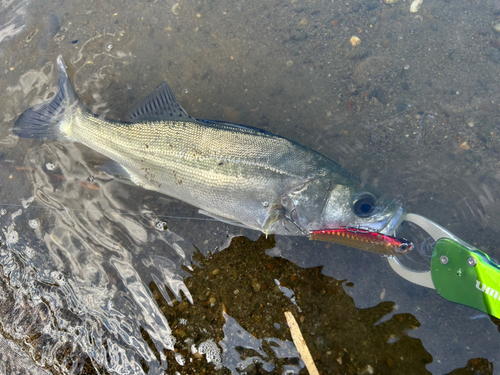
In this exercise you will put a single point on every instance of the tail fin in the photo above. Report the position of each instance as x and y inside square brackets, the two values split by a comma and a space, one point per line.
[44, 121]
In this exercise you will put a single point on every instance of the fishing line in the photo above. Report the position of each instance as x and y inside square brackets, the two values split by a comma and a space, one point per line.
[123, 213]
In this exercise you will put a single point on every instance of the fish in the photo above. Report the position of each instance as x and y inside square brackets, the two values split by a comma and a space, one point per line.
[234, 173]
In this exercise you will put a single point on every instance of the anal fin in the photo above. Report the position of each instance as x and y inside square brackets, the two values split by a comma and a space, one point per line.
[115, 170]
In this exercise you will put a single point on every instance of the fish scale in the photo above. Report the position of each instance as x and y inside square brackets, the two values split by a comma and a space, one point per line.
[186, 160]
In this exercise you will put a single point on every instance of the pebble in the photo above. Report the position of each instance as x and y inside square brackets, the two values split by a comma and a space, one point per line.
[175, 9]
[256, 285]
[368, 370]
[496, 27]
[304, 22]
[391, 1]
[415, 6]
[355, 41]
[464, 146]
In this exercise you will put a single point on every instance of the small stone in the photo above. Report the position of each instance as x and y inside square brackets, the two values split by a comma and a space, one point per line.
[496, 27]
[175, 9]
[464, 146]
[215, 271]
[355, 41]
[289, 63]
[256, 285]
[391, 1]
[304, 22]
[415, 6]
[180, 332]
[368, 370]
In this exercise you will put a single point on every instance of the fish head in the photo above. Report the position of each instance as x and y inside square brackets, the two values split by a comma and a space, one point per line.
[323, 205]
[361, 206]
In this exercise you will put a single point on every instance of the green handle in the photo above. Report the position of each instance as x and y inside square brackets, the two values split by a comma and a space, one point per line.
[466, 275]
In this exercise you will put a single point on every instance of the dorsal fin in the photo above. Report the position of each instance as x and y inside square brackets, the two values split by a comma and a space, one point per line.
[159, 105]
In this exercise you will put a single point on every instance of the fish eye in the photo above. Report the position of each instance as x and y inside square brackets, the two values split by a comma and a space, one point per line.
[364, 205]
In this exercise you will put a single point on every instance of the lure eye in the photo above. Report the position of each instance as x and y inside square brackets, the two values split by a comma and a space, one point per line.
[364, 205]
[405, 246]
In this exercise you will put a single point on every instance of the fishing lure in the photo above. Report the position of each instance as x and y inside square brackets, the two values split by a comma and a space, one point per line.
[364, 239]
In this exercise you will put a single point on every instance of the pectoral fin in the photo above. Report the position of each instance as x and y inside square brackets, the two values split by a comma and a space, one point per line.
[275, 217]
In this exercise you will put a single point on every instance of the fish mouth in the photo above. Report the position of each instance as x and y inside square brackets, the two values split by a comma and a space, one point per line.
[394, 222]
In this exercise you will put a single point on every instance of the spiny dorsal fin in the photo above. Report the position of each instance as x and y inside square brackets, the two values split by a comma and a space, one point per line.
[159, 105]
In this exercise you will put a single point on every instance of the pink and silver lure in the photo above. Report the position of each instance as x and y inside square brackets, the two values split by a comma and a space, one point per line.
[364, 240]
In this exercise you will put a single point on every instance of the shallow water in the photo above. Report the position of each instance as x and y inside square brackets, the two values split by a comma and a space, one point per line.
[101, 276]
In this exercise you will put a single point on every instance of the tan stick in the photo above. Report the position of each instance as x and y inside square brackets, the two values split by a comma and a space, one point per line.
[300, 343]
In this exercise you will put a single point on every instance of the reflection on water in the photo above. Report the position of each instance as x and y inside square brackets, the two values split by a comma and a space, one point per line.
[12, 18]
[77, 259]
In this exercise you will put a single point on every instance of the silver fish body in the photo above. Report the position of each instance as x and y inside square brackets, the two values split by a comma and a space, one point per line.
[237, 174]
